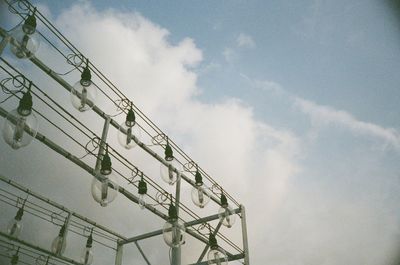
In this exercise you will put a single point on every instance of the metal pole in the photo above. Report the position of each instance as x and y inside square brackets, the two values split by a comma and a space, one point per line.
[141, 252]
[187, 224]
[118, 256]
[244, 236]
[176, 251]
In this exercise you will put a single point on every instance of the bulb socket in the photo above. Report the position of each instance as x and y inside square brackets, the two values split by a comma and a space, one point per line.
[29, 26]
[62, 231]
[86, 77]
[14, 259]
[224, 201]
[25, 104]
[130, 118]
[172, 213]
[20, 213]
[106, 165]
[198, 178]
[89, 241]
[142, 187]
[169, 154]
[212, 241]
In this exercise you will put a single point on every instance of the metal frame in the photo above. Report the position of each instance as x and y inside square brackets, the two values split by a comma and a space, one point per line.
[176, 252]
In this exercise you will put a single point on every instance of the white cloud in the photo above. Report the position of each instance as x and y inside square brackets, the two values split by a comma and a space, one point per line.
[245, 41]
[325, 115]
[229, 54]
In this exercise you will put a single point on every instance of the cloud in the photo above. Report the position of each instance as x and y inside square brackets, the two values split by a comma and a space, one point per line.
[245, 41]
[229, 54]
[325, 116]
[224, 137]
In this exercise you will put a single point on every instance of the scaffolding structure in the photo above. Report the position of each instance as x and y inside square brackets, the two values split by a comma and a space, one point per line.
[56, 115]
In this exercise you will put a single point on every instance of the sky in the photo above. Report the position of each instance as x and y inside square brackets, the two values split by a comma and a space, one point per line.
[291, 105]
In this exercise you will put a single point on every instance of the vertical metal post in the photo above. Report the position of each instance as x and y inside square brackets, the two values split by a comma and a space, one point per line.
[244, 236]
[102, 143]
[3, 43]
[118, 256]
[176, 252]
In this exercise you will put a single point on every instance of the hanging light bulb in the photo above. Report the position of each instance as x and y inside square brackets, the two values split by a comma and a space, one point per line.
[25, 40]
[199, 195]
[15, 258]
[84, 91]
[15, 226]
[142, 190]
[167, 174]
[20, 125]
[131, 129]
[105, 189]
[59, 243]
[87, 254]
[216, 255]
[226, 213]
[173, 230]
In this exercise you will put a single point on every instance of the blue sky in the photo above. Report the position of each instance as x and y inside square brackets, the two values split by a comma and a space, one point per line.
[299, 98]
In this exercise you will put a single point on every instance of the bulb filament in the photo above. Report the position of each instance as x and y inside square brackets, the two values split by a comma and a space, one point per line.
[128, 136]
[83, 99]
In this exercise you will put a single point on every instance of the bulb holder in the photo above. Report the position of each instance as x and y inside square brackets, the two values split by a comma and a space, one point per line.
[106, 165]
[89, 241]
[198, 178]
[25, 104]
[169, 154]
[212, 241]
[224, 201]
[20, 213]
[130, 118]
[14, 259]
[62, 231]
[142, 187]
[29, 26]
[172, 213]
[86, 77]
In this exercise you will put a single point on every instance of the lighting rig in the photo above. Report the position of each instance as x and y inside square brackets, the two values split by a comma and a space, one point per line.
[21, 126]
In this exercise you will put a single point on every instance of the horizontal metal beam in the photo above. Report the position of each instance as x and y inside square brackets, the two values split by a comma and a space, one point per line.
[188, 224]
[42, 250]
[230, 258]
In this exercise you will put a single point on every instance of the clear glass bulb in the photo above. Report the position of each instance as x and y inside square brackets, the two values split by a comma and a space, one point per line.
[217, 256]
[58, 245]
[87, 256]
[25, 41]
[168, 176]
[14, 227]
[125, 139]
[81, 93]
[200, 197]
[14, 127]
[142, 201]
[106, 190]
[174, 233]
[227, 216]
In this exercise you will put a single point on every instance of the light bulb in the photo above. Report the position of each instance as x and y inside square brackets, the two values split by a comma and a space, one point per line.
[125, 139]
[84, 91]
[199, 195]
[25, 40]
[227, 216]
[217, 256]
[59, 244]
[87, 256]
[167, 175]
[142, 201]
[105, 190]
[14, 127]
[15, 225]
[174, 233]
